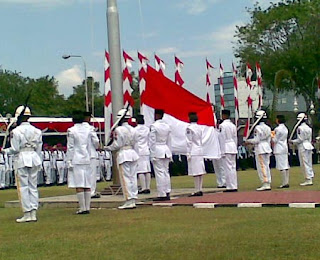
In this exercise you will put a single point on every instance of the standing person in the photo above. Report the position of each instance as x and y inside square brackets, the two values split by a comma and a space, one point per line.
[160, 152]
[142, 148]
[3, 170]
[279, 138]
[78, 161]
[262, 149]
[47, 164]
[196, 167]
[123, 141]
[93, 146]
[59, 163]
[303, 140]
[26, 145]
[228, 132]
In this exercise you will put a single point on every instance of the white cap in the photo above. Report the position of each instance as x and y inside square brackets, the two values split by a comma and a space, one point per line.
[122, 112]
[19, 109]
[261, 114]
[301, 116]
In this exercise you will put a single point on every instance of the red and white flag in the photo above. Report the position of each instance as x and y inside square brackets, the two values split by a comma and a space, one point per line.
[221, 88]
[236, 100]
[208, 82]
[127, 80]
[249, 99]
[107, 96]
[142, 81]
[177, 76]
[162, 93]
[160, 64]
[259, 81]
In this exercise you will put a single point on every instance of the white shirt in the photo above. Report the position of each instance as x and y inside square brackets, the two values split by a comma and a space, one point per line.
[142, 139]
[228, 132]
[261, 139]
[304, 137]
[280, 139]
[160, 140]
[93, 141]
[194, 137]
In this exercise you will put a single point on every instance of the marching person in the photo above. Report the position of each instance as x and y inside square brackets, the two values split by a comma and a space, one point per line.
[279, 138]
[160, 152]
[194, 137]
[303, 141]
[228, 132]
[78, 161]
[123, 141]
[26, 145]
[262, 149]
[93, 146]
[142, 148]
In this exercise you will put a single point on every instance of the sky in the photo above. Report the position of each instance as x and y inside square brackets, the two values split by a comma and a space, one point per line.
[36, 33]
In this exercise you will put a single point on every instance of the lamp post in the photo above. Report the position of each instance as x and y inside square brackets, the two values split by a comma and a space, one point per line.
[85, 76]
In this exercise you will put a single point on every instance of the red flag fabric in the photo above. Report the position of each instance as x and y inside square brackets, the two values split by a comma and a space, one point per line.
[162, 93]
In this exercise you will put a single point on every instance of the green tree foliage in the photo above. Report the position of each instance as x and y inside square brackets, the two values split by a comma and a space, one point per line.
[284, 37]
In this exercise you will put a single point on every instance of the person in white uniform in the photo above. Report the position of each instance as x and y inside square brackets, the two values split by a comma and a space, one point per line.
[93, 146]
[47, 163]
[228, 132]
[26, 145]
[59, 163]
[123, 142]
[142, 148]
[262, 149]
[196, 169]
[279, 138]
[3, 170]
[78, 161]
[303, 141]
[161, 155]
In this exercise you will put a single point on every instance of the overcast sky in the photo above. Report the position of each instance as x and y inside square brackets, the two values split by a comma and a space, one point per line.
[36, 33]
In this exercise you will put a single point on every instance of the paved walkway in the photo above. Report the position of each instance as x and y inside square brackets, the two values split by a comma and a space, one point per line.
[212, 198]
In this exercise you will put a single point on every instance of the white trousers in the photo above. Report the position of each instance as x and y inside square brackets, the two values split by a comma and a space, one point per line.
[27, 188]
[161, 172]
[219, 171]
[305, 158]
[48, 172]
[60, 171]
[107, 169]
[128, 180]
[2, 176]
[230, 169]
[262, 162]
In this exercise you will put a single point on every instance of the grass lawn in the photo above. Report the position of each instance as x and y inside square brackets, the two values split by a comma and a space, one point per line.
[165, 233]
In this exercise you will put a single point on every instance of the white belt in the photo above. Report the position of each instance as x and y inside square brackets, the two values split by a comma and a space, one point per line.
[127, 147]
[27, 149]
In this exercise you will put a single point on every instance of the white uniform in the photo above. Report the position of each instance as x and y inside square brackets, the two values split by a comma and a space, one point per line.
[93, 146]
[26, 143]
[194, 138]
[3, 170]
[262, 149]
[160, 152]
[229, 136]
[218, 163]
[78, 156]
[59, 165]
[107, 164]
[127, 160]
[280, 147]
[47, 166]
[304, 137]
[142, 148]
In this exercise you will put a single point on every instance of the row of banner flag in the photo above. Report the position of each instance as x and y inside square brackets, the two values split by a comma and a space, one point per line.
[160, 67]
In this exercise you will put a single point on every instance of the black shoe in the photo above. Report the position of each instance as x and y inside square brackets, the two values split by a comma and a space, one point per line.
[161, 199]
[141, 191]
[146, 191]
[196, 194]
[80, 212]
[222, 187]
[96, 196]
[231, 190]
[284, 186]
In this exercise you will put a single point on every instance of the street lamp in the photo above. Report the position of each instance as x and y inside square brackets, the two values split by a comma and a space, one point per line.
[85, 75]
[295, 105]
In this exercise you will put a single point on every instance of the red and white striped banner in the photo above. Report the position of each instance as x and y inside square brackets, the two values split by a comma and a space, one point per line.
[159, 64]
[208, 82]
[259, 81]
[142, 78]
[127, 80]
[177, 78]
[221, 88]
[236, 100]
[249, 99]
[107, 97]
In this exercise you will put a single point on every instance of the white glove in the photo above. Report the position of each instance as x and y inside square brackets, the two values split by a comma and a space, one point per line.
[188, 156]
[69, 165]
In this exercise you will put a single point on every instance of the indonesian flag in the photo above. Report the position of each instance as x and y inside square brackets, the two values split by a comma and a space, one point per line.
[259, 80]
[142, 74]
[208, 80]
[160, 64]
[107, 96]
[236, 100]
[221, 88]
[179, 66]
[127, 80]
[177, 103]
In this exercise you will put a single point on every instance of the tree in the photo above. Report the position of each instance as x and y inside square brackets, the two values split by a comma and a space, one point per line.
[284, 37]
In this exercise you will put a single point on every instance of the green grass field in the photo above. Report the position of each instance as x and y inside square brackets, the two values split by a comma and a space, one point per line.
[165, 233]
